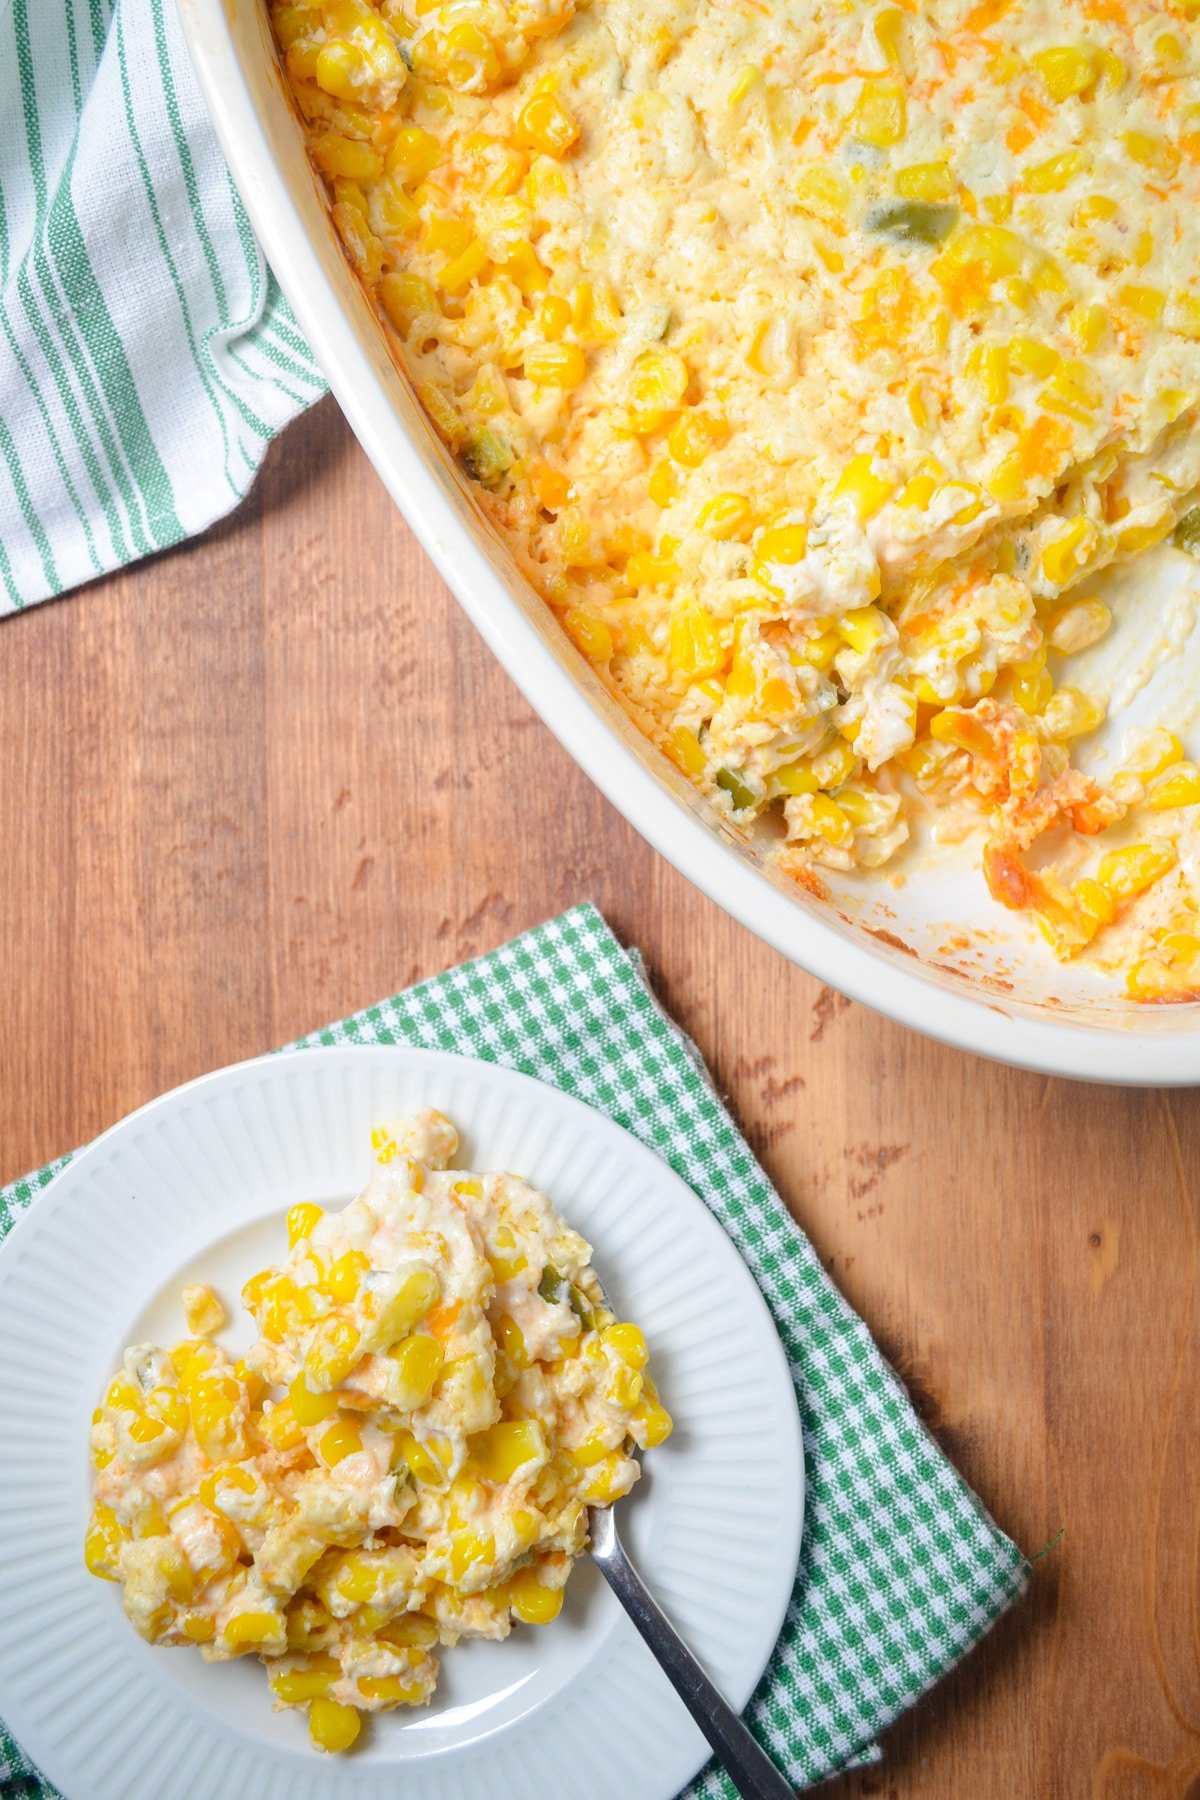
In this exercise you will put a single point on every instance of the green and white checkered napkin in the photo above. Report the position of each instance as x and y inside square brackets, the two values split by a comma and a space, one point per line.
[147, 356]
[901, 1569]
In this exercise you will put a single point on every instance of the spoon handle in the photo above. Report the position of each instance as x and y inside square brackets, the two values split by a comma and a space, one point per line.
[750, 1768]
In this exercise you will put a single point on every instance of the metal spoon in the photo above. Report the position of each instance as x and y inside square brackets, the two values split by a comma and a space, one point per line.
[749, 1767]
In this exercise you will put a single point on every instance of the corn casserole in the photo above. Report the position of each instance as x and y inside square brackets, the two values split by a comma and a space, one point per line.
[813, 358]
[404, 1457]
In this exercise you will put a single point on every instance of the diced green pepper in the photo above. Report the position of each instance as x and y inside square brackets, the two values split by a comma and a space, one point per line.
[553, 1286]
[1187, 532]
[909, 222]
[487, 457]
[736, 788]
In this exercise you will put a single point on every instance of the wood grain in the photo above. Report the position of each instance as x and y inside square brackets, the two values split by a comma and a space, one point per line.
[275, 775]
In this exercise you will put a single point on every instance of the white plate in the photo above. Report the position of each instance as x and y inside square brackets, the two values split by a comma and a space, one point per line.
[198, 1182]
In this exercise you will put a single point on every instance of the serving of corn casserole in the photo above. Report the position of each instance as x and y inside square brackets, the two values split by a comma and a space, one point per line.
[403, 1458]
[814, 360]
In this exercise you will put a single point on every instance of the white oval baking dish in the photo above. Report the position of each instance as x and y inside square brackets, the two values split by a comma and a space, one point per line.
[933, 952]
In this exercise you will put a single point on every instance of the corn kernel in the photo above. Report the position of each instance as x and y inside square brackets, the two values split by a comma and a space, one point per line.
[590, 633]
[341, 1440]
[1067, 69]
[555, 365]
[860, 484]
[334, 1350]
[1070, 714]
[331, 1725]
[545, 124]
[531, 1600]
[786, 544]
[929, 181]
[335, 155]
[878, 115]
[304, 1681]
[502, 1449]
[414, 154]
[694, 643]
[302, 1221]
[1130, 871]
[1057, 172]
[416, 1364]
[1178, 786]
[724, 516]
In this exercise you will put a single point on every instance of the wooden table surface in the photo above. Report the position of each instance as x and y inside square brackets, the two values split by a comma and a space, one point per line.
[275, 775]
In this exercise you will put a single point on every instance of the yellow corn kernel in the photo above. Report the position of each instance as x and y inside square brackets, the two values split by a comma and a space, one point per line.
[554, 315]
[545, 124]
[102, 1544]
[829, 821]
[1068, 69]
[608, 1481]
[305, 1680]
[1057, 172]
[281, 1428]
[1179, 786]
[1130, 871]
[694, 436]
[1032, 357]
[390, 1690]
[531, 1600]
[226, 1475]
[664, 484]
[652, 1423]
[417, 1363]
[347, 157]
[332, 1726]
[1070, 714]
[878, 115]
[310, 1408]
[341, 1280]
[644, 569]
[786, 544]
[694, 643]
[398, 213]
[1067, 554]
[254, 1630]
[339, 1441]
[1136, 538]
[555, 365]
[917, 494]
[658, 381]
[595, 313]
[688, 749]
[1147, 302]
[1183, 315]
[824, 194]
[341, 68]
[629, 1344]
[724, 516]
[405, 298]
[1151, 152]
[334, 1350]
[926, 181]
[302, 1221]
[1087, 325]
[198, 1628]
[414, 154]
[427, 1461]
[412, 1300]
[590, 633]
[511, 1341]
[867, 490]
[1075, 627]
[1094, 902]
[168, 1405]
[863, 627]
[462, 269]
[498, 1452]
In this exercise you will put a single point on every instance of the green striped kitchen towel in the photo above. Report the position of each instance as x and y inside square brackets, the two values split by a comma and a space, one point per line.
[901, 1569]
[147, 357]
